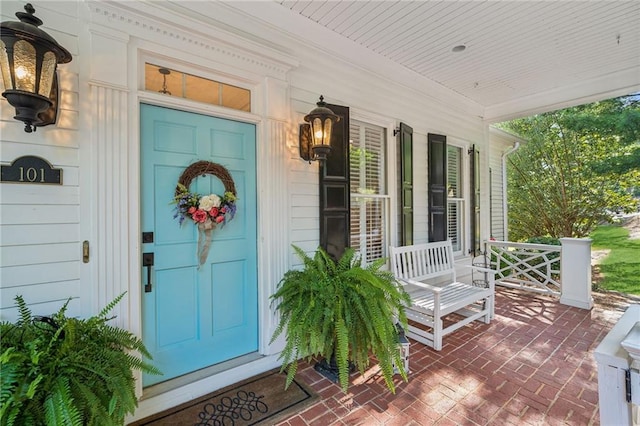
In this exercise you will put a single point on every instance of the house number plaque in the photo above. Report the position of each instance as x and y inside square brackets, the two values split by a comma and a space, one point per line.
[31, 169]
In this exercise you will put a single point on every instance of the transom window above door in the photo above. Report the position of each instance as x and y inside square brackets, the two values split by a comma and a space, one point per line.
[176, 83]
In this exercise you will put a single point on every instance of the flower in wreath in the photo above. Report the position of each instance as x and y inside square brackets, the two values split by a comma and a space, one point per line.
[209, 209]
[210, 201]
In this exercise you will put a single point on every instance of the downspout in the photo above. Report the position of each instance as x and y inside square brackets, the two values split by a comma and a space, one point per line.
[509, 151]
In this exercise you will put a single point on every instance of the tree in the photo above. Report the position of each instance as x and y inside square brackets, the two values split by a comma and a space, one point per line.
[578, 164]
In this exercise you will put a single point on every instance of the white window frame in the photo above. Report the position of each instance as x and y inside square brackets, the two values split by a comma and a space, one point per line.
[461, 201]
[389, 199]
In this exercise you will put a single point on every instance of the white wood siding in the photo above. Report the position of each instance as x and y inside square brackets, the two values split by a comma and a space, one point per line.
[396, 102]
[497, 226]
[40, 245]
[40, 236]
[500, 143]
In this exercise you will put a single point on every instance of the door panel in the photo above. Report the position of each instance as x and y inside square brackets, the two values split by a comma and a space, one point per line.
[196, 317]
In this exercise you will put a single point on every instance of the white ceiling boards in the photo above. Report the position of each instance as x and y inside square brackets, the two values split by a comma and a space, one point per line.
[518, 56]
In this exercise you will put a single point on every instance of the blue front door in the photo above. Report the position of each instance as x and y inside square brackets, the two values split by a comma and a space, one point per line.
[197, 317]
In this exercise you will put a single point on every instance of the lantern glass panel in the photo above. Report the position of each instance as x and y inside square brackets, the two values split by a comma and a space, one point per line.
[46, 75]
[316, 131]
[4, 66]
[327, 131]
[24, 63]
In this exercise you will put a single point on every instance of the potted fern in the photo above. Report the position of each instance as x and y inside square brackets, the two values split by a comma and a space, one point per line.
[342, 311]
[66, 371]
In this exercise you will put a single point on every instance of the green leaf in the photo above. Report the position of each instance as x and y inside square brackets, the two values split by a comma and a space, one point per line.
[339, 309]
[67, 370]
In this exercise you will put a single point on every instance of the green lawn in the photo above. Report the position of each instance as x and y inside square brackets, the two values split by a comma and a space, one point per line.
[621, 268]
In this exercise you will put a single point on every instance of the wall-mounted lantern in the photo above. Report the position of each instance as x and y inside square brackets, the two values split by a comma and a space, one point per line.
[315, 135]
[28, 61]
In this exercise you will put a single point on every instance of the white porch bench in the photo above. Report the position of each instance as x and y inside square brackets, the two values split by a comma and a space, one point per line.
[413, 265]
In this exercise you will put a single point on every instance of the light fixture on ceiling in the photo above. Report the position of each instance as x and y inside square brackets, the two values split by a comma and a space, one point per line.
[28, 60]
[165, 72]
[459, 48]
[315, 136]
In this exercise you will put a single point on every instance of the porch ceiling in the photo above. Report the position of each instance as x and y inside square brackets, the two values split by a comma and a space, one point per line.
[520, 57]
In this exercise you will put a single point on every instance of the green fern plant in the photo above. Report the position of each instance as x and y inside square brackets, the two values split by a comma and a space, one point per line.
[340, 310]
[67, 371]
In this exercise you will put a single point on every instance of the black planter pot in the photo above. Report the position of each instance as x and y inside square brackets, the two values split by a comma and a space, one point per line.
[329, 369]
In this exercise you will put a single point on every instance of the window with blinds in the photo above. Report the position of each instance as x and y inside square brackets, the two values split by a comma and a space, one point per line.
[369, 199]
[454, 197]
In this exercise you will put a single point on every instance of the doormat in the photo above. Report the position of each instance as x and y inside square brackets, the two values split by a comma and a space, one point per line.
[260, 400]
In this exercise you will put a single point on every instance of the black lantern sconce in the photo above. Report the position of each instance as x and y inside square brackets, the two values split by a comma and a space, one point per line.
[315, 135]
[28, 60]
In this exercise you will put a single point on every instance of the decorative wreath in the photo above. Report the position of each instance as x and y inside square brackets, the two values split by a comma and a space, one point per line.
[206, 211]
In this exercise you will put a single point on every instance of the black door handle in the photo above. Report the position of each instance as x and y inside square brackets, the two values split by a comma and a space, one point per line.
[147, 261]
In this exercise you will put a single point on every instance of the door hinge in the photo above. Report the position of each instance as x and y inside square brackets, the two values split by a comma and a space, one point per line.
[632, 385]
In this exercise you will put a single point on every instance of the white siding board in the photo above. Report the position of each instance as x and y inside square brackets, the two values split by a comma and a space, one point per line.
[305, 223]
[16, 276]
[302, 188]
[308, 235]
[39, 253]
[15, 235]
[306, 200]
[34, 194]
[58, 156]
[40, 293]
[304, 212]
[39, 214]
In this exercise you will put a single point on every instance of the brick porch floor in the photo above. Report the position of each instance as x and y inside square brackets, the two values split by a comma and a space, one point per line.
[533, 365]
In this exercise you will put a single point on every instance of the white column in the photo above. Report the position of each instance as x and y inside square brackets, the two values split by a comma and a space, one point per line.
[631, 344]
[274, 225]
[575, 272]
[612, 362]
[111, 212]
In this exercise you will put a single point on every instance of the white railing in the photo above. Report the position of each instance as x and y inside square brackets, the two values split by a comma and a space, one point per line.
[531, 267]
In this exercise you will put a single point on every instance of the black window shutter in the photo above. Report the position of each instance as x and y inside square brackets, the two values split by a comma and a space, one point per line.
[334, 188]
[406, 183]
[437, 193]
[474, 158]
